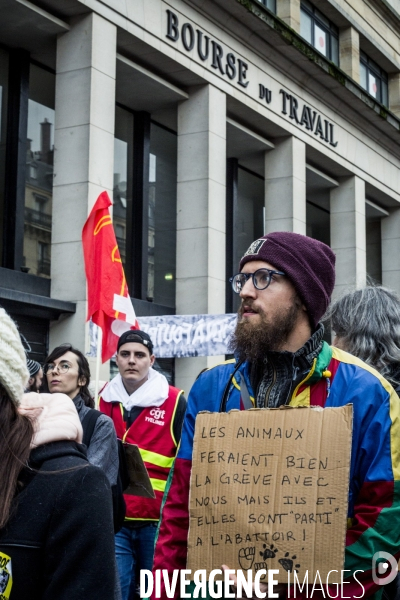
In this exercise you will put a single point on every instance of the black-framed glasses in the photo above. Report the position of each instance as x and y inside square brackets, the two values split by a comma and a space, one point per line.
[62, 367]
[261, 279]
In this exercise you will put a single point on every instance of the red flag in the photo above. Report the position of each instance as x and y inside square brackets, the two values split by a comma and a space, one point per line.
[109, 303]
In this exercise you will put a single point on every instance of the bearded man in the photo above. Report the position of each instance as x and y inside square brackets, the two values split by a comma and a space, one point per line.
[285, 284]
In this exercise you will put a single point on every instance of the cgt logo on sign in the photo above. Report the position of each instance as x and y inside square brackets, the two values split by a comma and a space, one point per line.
[156, 416]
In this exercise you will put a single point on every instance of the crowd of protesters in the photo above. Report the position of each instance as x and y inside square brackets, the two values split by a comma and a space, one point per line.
[61, 494]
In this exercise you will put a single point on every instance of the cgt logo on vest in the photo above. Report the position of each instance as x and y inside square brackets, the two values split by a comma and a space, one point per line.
[156, 416]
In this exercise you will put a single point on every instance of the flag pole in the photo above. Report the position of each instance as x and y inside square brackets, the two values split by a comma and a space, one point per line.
[98, 362]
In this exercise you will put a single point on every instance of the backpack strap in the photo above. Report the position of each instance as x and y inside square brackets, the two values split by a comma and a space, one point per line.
[88, 425]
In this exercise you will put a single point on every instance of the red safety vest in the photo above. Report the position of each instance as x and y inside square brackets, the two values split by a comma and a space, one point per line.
[152, 432]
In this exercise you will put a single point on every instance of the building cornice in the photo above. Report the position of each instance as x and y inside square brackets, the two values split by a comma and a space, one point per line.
[388, 120]
[388, 8]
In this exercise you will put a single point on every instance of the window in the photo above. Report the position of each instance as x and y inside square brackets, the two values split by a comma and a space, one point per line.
[249, 217]
[319, 31]
[119, 231]
[123, 166]
[318, 222]
[43, 266]
[39, 172]
[144, 211]
[373, 79]
[373, 230]
[270, 4]
[40, 203]
[247, 220]
[162, 216]
[374, 249]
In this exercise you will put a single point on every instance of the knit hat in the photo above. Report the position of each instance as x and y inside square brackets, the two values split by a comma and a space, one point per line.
[137, 336]
[33, 367]
[14, 373]
[309, 264]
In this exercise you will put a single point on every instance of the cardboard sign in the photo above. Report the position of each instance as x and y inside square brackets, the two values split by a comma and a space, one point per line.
[269, 490]
[139, 481]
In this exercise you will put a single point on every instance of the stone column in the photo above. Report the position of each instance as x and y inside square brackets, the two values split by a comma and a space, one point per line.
[348, 239]
[289, 11]
[200, 263]
[285, 187]
[394, 93]
[349, 52]
[83, 158]
[391, 250]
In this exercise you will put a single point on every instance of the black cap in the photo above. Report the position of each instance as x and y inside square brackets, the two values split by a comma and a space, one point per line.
[137, 337]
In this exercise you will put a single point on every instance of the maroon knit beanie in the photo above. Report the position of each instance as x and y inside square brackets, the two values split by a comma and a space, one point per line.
[309, 264]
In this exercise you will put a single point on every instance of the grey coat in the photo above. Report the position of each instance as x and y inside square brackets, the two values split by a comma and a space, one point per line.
[103, 449]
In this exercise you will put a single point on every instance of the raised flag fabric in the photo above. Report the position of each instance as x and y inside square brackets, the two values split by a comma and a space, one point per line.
[109, 303]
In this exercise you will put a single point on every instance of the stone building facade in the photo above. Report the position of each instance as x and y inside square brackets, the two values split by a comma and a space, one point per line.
[209, 123]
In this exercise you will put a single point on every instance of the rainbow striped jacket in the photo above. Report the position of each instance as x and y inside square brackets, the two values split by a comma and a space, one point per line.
[374, 492]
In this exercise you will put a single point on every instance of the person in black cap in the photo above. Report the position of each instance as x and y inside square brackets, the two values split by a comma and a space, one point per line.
[35, 376]
[148, 412]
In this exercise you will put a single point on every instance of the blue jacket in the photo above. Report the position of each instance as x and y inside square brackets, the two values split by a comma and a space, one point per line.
[335, 379]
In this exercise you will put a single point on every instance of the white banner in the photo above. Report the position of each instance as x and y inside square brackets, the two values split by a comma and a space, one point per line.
[183, 336]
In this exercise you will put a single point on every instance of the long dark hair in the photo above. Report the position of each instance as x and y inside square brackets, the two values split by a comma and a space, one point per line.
[16, 432]
[83, 366]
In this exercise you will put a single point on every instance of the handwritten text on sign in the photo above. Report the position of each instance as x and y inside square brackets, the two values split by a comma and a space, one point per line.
[269, 490]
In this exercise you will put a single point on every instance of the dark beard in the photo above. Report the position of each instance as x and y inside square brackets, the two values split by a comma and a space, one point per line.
[251, 343]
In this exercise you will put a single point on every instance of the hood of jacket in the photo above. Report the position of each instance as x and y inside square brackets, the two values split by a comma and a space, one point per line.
[153, 392]
[54, 418]
[60, 449]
